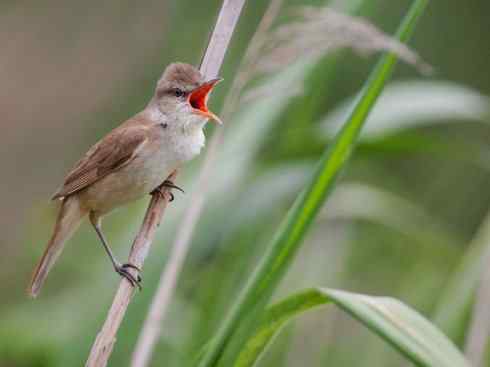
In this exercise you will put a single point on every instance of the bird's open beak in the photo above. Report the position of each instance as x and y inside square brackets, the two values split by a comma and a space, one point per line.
[198, 99]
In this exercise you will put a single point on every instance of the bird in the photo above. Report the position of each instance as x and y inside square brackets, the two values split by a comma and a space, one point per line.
[131, 161]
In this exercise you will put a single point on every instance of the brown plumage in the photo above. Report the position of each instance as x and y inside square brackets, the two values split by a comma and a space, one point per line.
[131, 161]
[110, 154]
[178, 75]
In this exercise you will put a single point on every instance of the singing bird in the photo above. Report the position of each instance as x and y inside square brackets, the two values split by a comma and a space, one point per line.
[131, 161]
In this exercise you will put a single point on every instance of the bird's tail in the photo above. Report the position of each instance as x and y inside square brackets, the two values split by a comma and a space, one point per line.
[68, 220]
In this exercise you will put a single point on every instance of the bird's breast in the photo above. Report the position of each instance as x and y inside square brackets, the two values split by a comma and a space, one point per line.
[166, 154]
[187, 145]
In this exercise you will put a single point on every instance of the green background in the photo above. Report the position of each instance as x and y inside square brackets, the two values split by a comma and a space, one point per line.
[71, 71]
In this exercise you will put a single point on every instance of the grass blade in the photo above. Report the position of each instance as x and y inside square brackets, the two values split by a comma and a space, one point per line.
[409, 332]
[284, 245]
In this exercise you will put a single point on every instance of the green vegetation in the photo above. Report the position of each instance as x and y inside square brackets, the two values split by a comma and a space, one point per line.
[406, 220]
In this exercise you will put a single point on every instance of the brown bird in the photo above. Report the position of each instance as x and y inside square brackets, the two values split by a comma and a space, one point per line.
[131, 161]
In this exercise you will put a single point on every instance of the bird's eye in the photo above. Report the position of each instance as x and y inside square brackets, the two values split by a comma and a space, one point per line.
[178, 93]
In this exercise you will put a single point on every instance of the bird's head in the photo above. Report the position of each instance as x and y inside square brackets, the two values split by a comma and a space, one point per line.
[182, 94]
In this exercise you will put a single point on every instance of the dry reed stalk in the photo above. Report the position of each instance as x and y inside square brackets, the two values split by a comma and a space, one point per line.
[152, 326]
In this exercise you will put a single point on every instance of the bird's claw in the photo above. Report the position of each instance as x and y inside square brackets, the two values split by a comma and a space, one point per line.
[169, 184]
[159, 191]
[122, 270]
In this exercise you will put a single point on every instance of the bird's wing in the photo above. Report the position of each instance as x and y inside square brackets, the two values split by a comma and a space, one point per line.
[113, 152]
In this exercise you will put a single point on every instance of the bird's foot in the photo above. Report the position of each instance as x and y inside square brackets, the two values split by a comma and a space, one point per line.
[123, 271]
[168, 184]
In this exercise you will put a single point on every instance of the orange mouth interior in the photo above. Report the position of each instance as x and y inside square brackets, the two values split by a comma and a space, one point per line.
[199, 97]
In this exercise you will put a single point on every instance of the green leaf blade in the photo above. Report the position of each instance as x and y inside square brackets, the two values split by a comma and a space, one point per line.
[406, 330]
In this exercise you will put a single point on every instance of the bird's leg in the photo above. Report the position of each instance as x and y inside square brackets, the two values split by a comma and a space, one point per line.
[121, 269]
[169, 184]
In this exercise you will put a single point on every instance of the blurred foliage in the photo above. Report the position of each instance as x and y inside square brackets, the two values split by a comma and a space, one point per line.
[403, 223]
